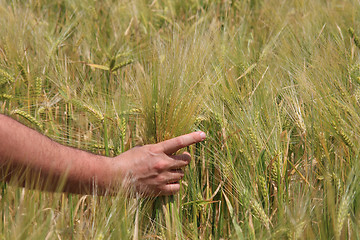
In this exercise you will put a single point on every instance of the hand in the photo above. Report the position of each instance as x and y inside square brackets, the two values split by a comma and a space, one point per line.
[152, 169]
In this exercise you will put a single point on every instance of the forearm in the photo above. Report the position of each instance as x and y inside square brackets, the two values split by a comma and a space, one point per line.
[23, 150]
[38, 162]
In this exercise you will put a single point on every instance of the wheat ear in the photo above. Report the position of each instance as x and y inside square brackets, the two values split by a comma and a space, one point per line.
[28, 117]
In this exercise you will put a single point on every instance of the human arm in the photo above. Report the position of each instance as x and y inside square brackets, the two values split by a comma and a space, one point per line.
[150, 169]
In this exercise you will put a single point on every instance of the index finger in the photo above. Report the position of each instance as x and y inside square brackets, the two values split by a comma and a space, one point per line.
[172, 145]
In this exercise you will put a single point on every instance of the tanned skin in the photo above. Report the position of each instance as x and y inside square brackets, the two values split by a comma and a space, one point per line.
[150, 170]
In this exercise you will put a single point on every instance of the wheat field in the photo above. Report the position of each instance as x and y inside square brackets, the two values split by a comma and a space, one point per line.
[274, 84]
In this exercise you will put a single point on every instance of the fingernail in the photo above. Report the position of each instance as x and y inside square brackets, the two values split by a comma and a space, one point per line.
[202, 135]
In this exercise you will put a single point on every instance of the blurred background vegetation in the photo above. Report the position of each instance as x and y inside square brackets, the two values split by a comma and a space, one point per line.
[274, 84]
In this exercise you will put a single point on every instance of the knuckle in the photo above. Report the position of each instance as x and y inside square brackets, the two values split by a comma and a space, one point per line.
[160, 165]
[161, 179]
[180, 142]
[148, 148]
[154, 148]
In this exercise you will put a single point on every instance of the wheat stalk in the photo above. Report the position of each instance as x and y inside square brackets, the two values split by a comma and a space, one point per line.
[22, 71]
[341, 215]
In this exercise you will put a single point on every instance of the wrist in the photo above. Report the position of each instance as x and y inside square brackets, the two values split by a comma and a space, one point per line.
[86, 172]
[106, 172]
